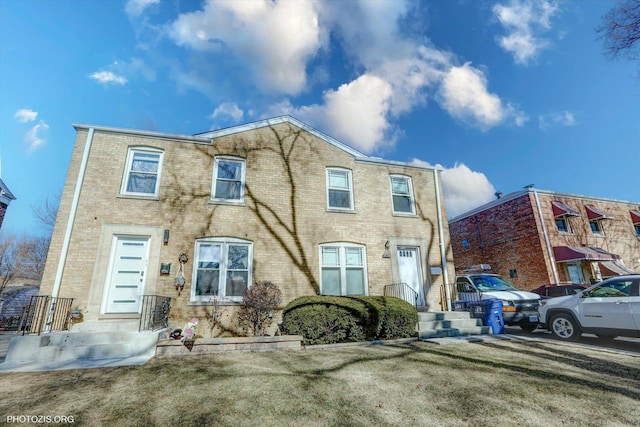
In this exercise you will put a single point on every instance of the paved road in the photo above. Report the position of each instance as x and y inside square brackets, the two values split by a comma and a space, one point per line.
[627, 344]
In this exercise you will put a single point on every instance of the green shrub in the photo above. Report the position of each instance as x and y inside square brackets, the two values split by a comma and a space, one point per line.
[323, 324]
[331, 319]
[400, 319]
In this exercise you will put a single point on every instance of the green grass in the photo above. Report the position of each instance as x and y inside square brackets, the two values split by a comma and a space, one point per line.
[497, 382]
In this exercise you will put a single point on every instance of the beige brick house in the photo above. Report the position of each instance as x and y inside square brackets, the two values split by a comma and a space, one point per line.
[272, 200]
[538, 237]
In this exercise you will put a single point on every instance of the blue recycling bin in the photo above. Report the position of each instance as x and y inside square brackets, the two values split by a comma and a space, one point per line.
[492, 315]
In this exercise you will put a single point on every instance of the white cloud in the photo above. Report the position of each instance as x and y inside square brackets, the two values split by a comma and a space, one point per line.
[135, 8]
[274, 39]
[107, 77]
[463, 188]
[34, 137]
[227, 109]
[25, 115]
[561, 118]
[465, 96]
[523, 20]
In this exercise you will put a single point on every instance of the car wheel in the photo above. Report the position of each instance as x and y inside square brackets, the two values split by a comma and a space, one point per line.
[528, 327]
[565, 327]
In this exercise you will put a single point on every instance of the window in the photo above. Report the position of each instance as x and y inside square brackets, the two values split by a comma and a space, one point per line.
[142, 172]
[339, 189]
[343, 269]
[563, 225]
[228, 179]
[596, 228]
[637, 228]
[222, 269]
[402, 194]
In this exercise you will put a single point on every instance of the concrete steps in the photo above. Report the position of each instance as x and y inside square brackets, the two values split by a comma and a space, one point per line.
[441, 324]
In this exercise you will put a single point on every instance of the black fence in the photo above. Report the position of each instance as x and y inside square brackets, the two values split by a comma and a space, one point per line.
[155, 312]
[45, 314]
[402, 291]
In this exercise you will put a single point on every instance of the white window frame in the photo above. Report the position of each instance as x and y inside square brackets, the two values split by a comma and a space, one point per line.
[349, 176]
[214, 183]
[342, 266]
[128, 166]
[567, 225]
[598, 224]
[410, 194]
[224, 243]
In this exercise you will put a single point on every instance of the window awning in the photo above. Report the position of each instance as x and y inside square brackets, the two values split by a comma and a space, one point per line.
[579, 253]
[614, 268]
[563, 209]
[635, 217]
[595, 213]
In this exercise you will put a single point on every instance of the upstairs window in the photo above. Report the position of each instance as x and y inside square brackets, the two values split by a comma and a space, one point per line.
[635, 220]
[562, 212]
[343, 269]
[339, 189]
[402, 194]
[596, 228]
[228, 179]
[562, 223]
[142, 172]
[222, 269]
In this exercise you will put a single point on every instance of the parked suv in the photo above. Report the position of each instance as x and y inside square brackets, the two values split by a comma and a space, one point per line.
[560, 290]
[518, 307]
[608, 309]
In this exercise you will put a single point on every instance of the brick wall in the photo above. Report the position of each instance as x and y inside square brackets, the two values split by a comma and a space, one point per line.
[285, 213]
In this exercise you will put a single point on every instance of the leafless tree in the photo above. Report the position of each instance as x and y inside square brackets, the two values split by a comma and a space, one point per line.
[620, 30]
[47, 212]
[12, 259]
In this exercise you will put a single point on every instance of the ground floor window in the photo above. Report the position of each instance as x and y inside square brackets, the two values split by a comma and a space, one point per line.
[343, 269]
[222, 269]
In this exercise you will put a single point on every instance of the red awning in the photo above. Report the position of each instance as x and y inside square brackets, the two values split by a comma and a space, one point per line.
[614, 268]
[563, 209]
[578, 253]
[635, 217]
[595, 213]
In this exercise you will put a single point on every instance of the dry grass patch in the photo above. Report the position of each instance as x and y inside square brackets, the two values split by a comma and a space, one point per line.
[498, 382]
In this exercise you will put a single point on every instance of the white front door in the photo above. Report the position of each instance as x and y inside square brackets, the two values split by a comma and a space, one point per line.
[128, 269]
[409, 270]
[575, 273]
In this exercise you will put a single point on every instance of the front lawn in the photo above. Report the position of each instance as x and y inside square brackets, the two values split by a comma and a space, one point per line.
[497, 382]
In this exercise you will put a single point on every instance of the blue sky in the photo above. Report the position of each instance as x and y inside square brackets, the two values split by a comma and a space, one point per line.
[500, 94]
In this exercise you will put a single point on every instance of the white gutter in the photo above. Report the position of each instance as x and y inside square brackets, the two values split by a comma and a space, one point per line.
[546, 239]
[443, 250]
[72, 215]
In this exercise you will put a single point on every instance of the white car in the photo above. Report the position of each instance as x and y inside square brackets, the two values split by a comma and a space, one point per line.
[608, 309]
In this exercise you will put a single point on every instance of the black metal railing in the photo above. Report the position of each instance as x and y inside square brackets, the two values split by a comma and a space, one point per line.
[45, 314]
[155, 312]
[402, 291]
[455, 299]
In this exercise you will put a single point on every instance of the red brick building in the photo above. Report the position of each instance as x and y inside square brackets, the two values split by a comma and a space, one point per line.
[536, 237]
[5, 198]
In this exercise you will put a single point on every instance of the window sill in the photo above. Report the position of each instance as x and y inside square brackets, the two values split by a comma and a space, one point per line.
[227, 202]
[345, 211]
[405, 215]
[138, 197]
[210, 303]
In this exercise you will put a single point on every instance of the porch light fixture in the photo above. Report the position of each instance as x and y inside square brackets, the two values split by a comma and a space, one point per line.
[165, 237]
[386, 253]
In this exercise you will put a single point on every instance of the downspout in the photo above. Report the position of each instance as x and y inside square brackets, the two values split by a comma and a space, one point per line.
[443, 250]
[72, 216]
[546, 239]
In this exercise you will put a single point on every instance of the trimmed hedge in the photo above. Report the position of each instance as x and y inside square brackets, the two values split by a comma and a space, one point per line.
[332, 319]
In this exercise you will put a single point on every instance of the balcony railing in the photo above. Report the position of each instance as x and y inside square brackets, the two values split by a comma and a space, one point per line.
[45, 314]
[155, 312]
